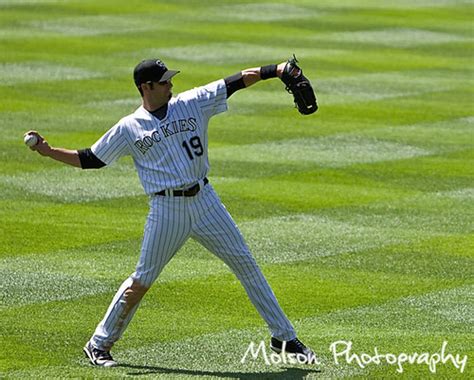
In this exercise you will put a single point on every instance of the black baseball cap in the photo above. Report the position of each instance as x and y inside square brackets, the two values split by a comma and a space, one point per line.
[152, 70]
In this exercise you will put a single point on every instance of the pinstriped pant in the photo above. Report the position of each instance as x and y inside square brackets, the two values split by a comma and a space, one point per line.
[171, 221]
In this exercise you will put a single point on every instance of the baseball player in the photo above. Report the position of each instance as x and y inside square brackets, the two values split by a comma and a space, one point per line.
[168, 140]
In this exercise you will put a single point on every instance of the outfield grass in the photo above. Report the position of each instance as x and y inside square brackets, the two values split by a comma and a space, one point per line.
[360, 216]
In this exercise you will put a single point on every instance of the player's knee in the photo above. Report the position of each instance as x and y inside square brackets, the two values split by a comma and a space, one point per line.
[135, 293]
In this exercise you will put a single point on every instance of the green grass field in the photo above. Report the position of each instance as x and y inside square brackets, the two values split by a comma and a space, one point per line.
[360, 215]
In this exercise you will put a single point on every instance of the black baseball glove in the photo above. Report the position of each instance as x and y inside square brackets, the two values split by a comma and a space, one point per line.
[300, 87]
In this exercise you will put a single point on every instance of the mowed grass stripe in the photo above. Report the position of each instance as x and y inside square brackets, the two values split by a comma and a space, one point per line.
[27, 72]
[394, 37]
[444, 135]
[25, 285]
[435, 173]
[261, 12]
[230, 53]
[70, 185]
[376, 86]
[331, 151]
[97, 24]
[62, 226]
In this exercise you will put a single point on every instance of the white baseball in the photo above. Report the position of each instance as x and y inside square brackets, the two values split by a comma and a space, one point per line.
[31, 140]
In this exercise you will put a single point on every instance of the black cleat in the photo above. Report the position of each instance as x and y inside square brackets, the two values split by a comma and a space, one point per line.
[296, 347]
[99, 357]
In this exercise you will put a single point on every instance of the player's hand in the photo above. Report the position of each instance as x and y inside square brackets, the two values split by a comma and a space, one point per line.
[42, 146]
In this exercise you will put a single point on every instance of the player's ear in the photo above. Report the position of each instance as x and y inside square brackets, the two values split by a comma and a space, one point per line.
[148, 86]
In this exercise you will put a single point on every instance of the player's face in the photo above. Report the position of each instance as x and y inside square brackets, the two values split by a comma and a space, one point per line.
[167, 85]
[158, 92]
[162, 90]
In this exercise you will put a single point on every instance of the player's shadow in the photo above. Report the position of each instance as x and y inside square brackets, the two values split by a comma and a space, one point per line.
[287, 373]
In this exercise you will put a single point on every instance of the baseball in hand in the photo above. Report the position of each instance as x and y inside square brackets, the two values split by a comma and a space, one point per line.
[31, 140]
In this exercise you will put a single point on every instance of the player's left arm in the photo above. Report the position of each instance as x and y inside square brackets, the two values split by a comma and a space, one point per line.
[248, 77]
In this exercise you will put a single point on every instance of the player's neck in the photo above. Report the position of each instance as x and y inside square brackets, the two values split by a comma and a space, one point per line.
[153, 106]
[161, 112]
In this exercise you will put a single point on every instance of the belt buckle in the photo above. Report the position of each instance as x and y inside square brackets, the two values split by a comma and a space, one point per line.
[192, 191]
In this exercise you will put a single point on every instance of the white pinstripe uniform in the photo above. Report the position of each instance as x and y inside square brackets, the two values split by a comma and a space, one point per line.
[172, 154]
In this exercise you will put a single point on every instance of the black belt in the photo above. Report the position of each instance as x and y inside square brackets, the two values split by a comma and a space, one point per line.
[191, 192]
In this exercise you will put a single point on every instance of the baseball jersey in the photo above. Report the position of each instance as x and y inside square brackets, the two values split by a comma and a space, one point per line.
[170, 153]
